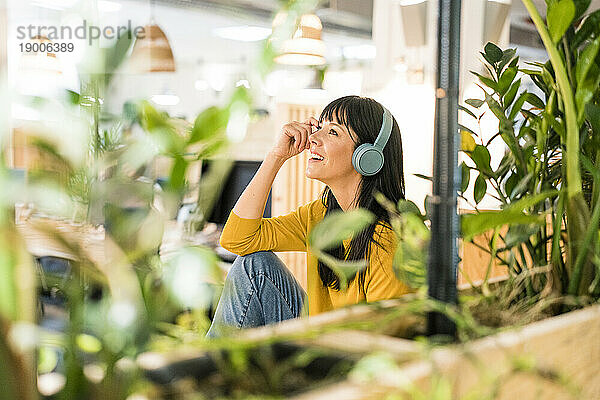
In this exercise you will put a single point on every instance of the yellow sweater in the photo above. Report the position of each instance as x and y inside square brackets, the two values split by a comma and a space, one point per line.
[290, 233]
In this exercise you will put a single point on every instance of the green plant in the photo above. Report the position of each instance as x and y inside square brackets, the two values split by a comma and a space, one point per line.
[135, 299]
[551, 166]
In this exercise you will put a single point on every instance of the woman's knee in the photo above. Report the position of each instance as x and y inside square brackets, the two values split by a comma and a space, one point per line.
[260, 262]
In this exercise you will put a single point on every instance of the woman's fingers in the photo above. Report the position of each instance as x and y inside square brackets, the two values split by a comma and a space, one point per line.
[296, 134]
[300, 133]
[307, 131]
[313, 122]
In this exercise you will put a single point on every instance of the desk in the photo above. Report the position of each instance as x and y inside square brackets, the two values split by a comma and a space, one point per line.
[46, 236]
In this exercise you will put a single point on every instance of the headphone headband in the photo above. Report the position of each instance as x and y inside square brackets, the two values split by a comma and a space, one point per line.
[386, 130]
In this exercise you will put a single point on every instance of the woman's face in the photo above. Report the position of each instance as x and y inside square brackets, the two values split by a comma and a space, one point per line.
[331, 148]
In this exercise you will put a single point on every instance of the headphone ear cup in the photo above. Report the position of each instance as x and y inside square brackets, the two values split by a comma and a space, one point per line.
[356, 155]
[367, 159]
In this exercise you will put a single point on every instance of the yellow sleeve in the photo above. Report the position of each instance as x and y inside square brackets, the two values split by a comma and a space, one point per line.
[284, 233]
[381, 282]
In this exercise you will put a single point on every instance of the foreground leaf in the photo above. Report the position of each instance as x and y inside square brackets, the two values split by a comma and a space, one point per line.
[559, 17]
[339, 226]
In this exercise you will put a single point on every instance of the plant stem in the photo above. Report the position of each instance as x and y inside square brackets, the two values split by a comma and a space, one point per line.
[573, 173]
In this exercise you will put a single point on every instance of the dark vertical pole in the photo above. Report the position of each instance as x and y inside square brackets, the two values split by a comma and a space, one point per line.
[443, 251]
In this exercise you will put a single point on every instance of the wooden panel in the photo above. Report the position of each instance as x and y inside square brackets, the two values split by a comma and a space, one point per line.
[291, 188]
[475, 261]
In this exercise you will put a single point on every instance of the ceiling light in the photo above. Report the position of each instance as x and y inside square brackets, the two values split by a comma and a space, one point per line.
[306, 46]
[152, 52]
[359, 52]
[107, 6]
[243, 82]
[54, 4]
[243, 33]
[165, 99]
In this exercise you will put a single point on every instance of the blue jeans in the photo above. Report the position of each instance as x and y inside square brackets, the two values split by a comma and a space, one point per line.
[259, 290]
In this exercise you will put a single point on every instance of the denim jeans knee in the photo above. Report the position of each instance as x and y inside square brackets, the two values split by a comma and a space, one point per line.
[259, 290]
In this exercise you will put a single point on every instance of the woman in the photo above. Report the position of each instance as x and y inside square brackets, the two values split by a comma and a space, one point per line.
[259, 289]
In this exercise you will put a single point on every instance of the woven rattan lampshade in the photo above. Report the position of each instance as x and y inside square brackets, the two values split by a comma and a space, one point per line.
[152, 52]
[306, 46]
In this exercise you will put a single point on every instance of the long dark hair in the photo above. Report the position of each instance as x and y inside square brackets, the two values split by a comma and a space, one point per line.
[364, 116]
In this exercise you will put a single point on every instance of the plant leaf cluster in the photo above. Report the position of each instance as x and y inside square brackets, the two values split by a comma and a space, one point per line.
[546, 180]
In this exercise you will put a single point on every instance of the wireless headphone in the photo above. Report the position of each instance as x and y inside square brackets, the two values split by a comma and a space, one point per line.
[368, 159]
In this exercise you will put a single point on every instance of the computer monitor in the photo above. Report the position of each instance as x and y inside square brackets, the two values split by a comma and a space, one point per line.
[240, 176]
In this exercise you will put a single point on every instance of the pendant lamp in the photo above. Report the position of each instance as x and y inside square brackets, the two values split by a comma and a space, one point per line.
[306, 46]
[152, 52]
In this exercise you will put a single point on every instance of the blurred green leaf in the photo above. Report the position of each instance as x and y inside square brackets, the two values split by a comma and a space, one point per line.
[486, 81]
[585, 61]
[177, 177]
[510, 183]
[521, 186]
[559, 16]
[592, 111]
[427, 178]
[518, 105]
[241, 94]
[465, 176]
[467, 130]
[511, 93]
[72, 97]
[462, 108]
[518, 234]
[581, 7]
[480, 188]
[507, 56]
[88, 343]
[475, 224]
[474, 102]
[506, 80]
[344, 270]
[482, 159]
[493, 53]
[495, 108]
[535, 101]
[209, 123]
[531, 200]
[585, 92]
[339, 226]
[47, 359]
[408, 207]
[213, 147]
[410, 258]
[591, 26]
[116, 54]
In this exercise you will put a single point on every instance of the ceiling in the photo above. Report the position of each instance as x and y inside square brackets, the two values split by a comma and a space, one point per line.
[344, 21]
[191, 32]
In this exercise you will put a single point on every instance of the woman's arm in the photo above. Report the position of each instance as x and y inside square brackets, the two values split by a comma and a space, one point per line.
[246, 231]
[292, 141]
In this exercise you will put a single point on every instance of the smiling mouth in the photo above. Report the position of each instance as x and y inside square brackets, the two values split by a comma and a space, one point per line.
[315, 157]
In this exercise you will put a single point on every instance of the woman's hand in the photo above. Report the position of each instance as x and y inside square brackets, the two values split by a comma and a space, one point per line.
[294, 139]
